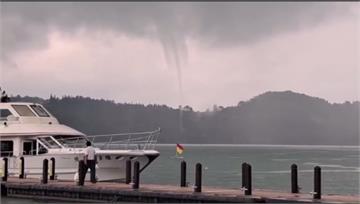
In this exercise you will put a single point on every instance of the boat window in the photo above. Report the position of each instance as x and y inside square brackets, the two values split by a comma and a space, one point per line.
[7, 148]
[29, 147]
[42, 149]
[119, 157]
[4, 113]
[23, 110]
[39, 111]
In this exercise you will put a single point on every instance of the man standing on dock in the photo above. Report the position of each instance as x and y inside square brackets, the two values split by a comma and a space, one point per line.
[90, 162]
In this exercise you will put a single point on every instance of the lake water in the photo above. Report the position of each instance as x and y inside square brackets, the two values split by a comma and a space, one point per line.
[270, 166]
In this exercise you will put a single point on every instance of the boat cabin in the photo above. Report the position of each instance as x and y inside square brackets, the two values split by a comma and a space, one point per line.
[29, 129]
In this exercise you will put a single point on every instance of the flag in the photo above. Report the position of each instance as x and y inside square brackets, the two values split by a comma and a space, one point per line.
[179, 149]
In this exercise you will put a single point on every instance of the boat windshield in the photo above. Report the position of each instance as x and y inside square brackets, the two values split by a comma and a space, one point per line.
[23, 110]
[39, 110]
[71, 141]
[49, 142]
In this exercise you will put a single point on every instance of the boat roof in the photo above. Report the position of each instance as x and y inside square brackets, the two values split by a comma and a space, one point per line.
[30, 119]
[16, 103]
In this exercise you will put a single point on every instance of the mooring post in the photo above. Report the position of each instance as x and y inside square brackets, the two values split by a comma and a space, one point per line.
[81, 172]
[183, 174]
[52, 169]
[243, 167]
[128, 171]
[136, 175]
[294, 179]
[317, 183]
[44, 179]
[248, 179]
[4, 178]
[198, 178]
[22, 168]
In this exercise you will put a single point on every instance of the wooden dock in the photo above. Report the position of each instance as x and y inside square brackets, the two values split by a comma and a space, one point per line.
[121, 192]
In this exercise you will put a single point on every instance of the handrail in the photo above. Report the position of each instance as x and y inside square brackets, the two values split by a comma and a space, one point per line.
[126, 134]
[138, 140]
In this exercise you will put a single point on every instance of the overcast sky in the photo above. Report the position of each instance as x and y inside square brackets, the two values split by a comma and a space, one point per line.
[193, 53]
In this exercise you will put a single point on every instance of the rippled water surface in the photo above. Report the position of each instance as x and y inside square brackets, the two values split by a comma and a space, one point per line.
[270, 165]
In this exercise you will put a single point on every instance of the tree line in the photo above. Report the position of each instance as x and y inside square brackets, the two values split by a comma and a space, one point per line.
[270, 118]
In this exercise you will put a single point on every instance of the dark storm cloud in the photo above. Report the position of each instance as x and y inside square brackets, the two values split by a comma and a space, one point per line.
[244, 22]
[26, 25]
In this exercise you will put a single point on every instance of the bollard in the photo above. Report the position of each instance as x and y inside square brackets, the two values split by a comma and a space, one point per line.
[44, 179]
[128, 171]
[317, 183]
[81, 173]
[197, 187]
[4, 178]
[243, 167]
[136, 178]
[183, 174]
[52, 169]
[294, 179]
[248, 179]
[22, 168]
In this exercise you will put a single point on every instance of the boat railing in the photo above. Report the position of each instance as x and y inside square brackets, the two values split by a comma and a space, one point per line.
[123, 141]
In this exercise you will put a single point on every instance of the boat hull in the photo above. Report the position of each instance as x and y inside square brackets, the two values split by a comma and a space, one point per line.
[108, 167]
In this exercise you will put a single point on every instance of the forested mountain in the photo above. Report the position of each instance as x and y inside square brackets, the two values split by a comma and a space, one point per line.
[270, 118]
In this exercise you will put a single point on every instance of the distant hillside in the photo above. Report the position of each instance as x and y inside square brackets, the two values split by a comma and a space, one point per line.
[270, 118]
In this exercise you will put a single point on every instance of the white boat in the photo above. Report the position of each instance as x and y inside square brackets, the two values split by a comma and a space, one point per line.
[28, 130]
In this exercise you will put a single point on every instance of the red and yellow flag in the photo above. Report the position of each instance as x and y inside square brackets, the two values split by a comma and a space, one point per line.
[179, 149]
